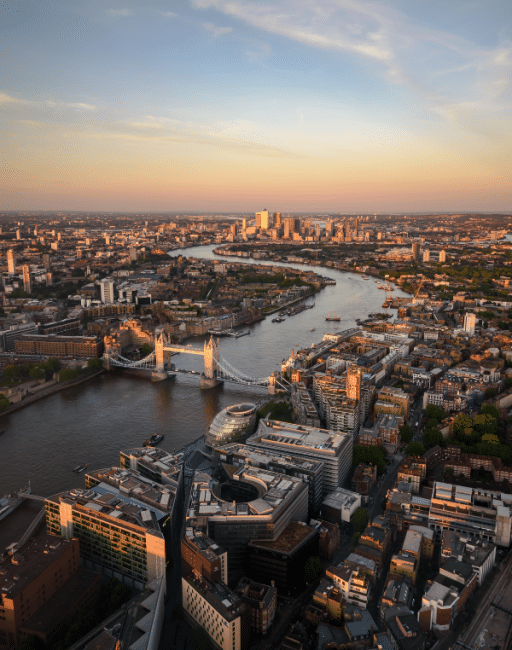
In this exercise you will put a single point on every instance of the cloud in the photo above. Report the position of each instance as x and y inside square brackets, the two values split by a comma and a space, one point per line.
[168, 14]
[261, 52]
[48, 103]
[217, 31]
[452, 75]
[123, 13]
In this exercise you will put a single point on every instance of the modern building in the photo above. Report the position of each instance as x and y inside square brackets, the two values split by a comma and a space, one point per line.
[469, 323]
[156, 464]
[310, 471]
[354, 584]
[41, 584]
[11, 261]
[218, 610]
[474, 511]
[27, 279]
[119, 535]
[340, 505]
[107, 288]
[262, 220]
[232, 423]
[165, 499]
[250, 504]
[332, 448]
[416, 251]
[283, 559]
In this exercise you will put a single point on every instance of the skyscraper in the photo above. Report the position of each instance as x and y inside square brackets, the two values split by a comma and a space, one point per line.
[416, 251]
[353, 382]
[27, 280]
[278, 220]
[107, 291]
[262, 220]
[469, 323]
[426, 255]
[11, 261]
[442, 257]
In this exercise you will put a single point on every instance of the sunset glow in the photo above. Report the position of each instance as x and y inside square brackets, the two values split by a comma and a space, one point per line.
[232, 105]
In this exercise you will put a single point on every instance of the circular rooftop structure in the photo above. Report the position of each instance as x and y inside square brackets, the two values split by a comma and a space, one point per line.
[232, 423]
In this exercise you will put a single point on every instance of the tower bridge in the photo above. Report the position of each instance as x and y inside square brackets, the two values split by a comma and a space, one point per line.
[216, 368]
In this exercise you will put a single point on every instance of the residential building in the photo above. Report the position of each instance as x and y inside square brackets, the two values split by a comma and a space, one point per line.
[41, 584]
[11, 261]
[27, 279]
[262, 602]
[107, 288]
[118, 534]
[218, 610]
[61, 347]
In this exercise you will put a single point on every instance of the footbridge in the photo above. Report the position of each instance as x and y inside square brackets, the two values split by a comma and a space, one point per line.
[216, 368]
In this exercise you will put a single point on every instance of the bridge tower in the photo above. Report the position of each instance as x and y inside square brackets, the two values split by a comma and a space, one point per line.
[211, 359]
[159, 373]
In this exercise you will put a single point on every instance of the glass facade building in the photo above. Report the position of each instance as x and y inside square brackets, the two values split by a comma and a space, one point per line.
[231, 424]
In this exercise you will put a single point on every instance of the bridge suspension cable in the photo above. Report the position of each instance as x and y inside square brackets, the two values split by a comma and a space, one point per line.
[230, 372]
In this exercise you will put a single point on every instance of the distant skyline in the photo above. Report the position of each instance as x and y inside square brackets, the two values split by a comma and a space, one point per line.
[232, 106]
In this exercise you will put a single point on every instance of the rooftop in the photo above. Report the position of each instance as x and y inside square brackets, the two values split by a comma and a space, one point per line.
[294, 535]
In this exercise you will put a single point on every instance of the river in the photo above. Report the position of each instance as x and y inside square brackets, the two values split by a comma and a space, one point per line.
[91, 422]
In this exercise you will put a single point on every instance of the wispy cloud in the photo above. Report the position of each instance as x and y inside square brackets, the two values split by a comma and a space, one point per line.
[409, 53]
[121, 13]
[217, 31]
[259, 53]
[48, 103]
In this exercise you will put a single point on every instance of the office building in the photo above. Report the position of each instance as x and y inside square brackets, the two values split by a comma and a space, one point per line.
[27, 279]
[311, 471]
[340, 505]
[42, 584]
[107, 291]
[119, 534]
[11, 261]
[333, 449]
[282, 560]
[262, 220]
[155, 464]
[278, 220]
[416, 251]
[248, 504]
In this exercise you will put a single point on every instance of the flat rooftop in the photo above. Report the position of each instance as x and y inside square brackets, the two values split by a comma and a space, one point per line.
[293, 536]
[302, 437]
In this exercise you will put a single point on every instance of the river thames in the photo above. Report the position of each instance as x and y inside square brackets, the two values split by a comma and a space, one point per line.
[90, 423]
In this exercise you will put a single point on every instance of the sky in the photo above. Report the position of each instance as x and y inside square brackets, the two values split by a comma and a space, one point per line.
[205, 106]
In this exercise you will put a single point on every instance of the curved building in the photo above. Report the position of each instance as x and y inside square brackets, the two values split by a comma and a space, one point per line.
[233, 423]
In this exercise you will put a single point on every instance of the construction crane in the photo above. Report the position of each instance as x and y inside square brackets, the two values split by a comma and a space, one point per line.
[418, 289]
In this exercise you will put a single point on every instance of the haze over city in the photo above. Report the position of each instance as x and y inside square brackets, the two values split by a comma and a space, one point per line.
[217, 105]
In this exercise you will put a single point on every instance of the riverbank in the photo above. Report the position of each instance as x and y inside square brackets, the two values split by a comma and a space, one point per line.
[56, 388]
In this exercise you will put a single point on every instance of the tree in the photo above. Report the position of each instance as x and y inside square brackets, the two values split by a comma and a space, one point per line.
[313, 569]
[360, 519]
[37, 373]
[433, 412]
[11, 371]
[406, 433]
[95, 364]
[490, 392]
[4, 402]
[355, 539]
[432, 437]
[490, 409]
[415, 449]
[146, 349]
[52, 365]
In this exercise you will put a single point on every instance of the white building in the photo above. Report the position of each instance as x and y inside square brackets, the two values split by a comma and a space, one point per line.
[107, 291]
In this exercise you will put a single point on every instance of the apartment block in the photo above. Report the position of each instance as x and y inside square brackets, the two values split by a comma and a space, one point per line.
[119, 535]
